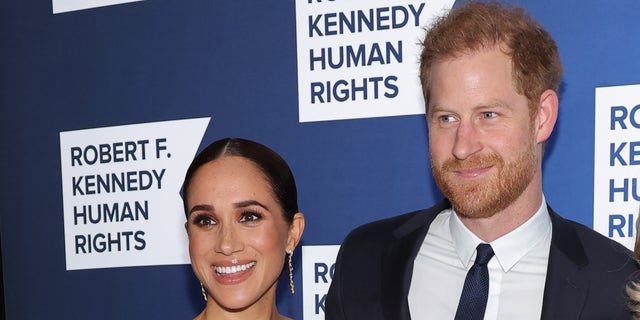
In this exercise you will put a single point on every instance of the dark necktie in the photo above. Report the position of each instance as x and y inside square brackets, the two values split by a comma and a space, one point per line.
[473, 300]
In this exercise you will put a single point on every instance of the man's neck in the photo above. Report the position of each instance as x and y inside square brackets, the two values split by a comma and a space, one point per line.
[507, 220]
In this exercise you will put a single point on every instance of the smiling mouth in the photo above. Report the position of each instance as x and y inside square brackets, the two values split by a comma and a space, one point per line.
[472, 172]
[234, 269]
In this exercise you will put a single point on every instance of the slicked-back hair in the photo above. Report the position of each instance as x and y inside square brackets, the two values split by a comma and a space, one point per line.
[268, 161]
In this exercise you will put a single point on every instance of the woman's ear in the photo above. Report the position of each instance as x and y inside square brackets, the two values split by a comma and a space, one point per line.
[295, 230]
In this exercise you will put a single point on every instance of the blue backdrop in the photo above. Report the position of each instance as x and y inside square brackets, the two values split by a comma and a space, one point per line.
[235, 61]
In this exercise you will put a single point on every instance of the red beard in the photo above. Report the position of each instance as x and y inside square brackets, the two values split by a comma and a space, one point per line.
[486, 196]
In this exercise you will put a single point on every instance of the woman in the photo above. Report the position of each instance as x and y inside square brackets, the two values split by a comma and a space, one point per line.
[633, 291]
[240, 200]
[633, 287]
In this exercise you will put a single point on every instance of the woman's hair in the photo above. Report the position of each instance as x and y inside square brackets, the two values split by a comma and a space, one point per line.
[633, 291]
[633, 287]
[274, 168]
[475, 26]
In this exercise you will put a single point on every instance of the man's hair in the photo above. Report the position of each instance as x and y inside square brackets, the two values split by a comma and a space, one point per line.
[476, 25]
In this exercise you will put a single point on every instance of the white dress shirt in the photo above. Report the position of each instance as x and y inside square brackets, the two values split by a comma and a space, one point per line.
[517, 272]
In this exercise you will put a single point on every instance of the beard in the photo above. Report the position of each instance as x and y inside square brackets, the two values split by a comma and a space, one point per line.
[483, 198]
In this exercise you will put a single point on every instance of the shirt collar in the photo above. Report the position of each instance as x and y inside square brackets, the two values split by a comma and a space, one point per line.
[509, 248]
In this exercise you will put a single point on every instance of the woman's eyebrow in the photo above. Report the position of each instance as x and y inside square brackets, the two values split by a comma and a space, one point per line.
[248, 203]
[201, 207]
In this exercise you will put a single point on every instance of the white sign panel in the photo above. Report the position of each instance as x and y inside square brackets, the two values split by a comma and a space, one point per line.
[121, 193]
[60, 6]
[318, 265]
[616, 179]
[360, 59]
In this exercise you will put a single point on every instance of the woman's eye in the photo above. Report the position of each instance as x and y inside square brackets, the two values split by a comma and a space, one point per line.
[249, 216]
[204, 221]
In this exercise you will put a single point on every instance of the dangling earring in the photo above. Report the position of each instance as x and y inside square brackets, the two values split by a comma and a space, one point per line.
[204, 292]
[291, 286]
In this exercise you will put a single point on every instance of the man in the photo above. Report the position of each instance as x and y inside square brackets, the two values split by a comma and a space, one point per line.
[490, 76]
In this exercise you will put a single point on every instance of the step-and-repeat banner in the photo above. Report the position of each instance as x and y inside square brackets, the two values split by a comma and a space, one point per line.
[107, 101]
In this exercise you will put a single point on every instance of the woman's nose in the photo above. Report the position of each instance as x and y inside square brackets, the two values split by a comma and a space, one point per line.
[229, 241]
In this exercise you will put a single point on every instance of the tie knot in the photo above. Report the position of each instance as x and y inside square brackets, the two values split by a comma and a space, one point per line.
[485, 253]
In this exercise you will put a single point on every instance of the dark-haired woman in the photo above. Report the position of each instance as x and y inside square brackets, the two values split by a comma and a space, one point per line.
[243, 223]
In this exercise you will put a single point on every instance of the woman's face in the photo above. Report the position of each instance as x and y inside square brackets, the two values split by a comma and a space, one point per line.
[237, 233]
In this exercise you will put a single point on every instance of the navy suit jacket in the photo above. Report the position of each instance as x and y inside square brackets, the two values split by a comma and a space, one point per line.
[586, 273]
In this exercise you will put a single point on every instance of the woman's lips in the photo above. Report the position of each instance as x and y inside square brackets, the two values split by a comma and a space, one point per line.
[232, 274]
[235, 268]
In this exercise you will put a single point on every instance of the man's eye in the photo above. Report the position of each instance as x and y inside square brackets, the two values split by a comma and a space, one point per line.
[447, 118]
[489, 115]
[250, 216]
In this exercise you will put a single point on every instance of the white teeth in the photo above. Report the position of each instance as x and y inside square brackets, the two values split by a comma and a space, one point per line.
[234, 269]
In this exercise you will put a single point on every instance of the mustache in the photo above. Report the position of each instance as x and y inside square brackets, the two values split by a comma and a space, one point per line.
[492, 159]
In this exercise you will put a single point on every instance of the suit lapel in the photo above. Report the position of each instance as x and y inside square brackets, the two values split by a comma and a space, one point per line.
[398, 261]
[566, 286]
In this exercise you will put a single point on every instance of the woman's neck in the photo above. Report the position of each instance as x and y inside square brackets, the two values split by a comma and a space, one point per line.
[213, 311]
[238, 316]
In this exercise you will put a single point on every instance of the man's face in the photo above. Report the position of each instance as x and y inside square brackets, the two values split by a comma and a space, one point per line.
[482, 143]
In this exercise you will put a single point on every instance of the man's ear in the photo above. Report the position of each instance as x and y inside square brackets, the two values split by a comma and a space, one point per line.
[547, 115]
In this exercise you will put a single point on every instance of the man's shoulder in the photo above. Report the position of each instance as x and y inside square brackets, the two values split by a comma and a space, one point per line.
[594, 240]
[383, 229]
[589, 265]
[598, 249]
